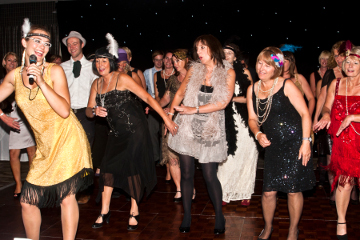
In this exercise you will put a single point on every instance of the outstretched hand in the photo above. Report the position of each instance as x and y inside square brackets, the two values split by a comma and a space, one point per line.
[185, 110]
[345, 123]
[11, 122]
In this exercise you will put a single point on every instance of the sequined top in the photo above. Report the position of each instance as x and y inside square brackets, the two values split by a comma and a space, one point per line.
[63, 149]
[283, 127]
[345, 156]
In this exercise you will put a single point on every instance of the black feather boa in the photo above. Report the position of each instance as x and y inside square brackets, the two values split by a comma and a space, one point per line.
[241, 108]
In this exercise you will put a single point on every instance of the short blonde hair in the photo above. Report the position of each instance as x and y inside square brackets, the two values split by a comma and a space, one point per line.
[324, 54]
[354, 50]
[9, 54]
[128, 52]
[265, 55]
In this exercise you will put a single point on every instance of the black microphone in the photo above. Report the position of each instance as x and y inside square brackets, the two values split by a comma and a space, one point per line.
[33, 60]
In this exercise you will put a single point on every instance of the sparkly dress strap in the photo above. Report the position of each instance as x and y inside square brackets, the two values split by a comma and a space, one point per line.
[117, 81]
[337, 86]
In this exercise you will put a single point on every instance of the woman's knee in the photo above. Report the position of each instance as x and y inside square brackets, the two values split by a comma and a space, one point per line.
[173, 162]
[269, 195]
[14, 154]
[68, 201]
[28, 208]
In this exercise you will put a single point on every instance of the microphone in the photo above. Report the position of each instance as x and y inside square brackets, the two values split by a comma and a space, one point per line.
[33, 60]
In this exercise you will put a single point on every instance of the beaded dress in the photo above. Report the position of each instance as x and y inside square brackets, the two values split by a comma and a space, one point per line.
[173, 85]
[62, 164]
[283, 171]
[345, 156]
[128, 160]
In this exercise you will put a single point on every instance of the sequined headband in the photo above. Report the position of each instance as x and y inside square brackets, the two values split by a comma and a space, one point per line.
[180, 55]
[38, 34]
[230, 48]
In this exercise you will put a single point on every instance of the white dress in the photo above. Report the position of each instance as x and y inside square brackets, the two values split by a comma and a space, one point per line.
[237, 174]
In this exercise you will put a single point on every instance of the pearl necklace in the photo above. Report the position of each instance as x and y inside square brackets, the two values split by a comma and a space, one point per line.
[346, 106]
[164, 73]
[267, 103]
[102, 96]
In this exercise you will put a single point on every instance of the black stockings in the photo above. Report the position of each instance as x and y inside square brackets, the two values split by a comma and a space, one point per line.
[213, 186]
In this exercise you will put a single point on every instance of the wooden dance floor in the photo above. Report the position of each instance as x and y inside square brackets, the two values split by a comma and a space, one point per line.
[160, 217]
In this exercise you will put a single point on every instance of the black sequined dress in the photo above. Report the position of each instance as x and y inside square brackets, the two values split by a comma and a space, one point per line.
[128, 161]
[283, 171]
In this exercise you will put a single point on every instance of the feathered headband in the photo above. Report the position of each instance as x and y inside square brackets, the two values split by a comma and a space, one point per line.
[278, 59]
[111, 51]
[348, 46]
[180, 55]
[26, 29]
[289, 48]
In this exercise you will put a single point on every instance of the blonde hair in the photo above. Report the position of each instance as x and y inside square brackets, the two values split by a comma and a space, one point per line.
[354, 50]
[8, 54]
[324, 54]
[265, 55]
[331, 61]
[128, 52]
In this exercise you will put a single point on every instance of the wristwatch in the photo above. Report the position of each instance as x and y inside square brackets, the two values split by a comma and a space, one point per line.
[309, 139]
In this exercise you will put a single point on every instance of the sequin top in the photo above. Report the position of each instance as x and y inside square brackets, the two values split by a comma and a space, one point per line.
[63, 149]
[345, 156]
[283, 127]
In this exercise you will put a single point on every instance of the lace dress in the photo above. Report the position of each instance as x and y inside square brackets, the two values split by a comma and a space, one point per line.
[345, 156]
[283, 171]
[237, 174]
[128, 160]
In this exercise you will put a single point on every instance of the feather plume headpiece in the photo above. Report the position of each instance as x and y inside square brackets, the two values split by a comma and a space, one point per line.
[290, 48]
[25, 27]
[113, 45]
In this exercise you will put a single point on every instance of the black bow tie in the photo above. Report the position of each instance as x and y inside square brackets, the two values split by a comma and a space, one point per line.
[77, 69]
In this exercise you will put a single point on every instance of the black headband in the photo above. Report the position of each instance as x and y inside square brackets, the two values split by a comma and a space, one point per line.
[38, 34]
[230, 48]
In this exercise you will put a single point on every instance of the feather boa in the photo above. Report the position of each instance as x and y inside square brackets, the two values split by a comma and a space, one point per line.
[212, 130]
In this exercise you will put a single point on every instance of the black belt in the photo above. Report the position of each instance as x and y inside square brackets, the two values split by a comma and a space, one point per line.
[80, 110]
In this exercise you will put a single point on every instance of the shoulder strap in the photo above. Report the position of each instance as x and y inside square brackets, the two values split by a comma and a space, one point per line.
[337, 86]
[117, 79]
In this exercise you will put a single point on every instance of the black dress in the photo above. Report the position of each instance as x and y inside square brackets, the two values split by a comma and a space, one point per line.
[283, 171]
[128, 161]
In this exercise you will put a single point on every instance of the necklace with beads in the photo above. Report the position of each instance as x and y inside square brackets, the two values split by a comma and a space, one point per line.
[102, 96]
[346, 106]
[164, 74]
[267, 103]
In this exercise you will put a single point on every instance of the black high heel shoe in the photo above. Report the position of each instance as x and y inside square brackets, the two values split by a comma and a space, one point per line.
[265, 238]
[218, 231]
[105, 218]
[133, 227]
[177, 199]
[342, 237]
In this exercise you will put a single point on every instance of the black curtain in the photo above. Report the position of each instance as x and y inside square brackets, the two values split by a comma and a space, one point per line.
[11, 19]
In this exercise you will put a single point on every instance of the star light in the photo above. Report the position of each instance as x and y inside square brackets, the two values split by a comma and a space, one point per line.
[205, 22]
[168, 35]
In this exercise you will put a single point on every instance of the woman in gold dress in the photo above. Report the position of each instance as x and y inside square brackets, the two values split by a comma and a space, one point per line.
[62, 163]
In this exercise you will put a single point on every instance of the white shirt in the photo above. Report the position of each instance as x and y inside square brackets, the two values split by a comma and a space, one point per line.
[149, 80]
[79, 87]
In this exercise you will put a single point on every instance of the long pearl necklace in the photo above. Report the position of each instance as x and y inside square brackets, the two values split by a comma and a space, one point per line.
[164, 73]
[346, 106]
[102, 96]
[267, 103]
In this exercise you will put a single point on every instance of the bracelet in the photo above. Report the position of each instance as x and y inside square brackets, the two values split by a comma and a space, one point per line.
[257, 134]
[197, 109]
[93, 110]
[1, 114]
[169, 113]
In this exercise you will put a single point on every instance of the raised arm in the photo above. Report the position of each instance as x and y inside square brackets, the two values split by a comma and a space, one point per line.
[58, 97]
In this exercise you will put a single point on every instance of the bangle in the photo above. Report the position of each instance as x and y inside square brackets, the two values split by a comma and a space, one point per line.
[93, 110]
[257, 134]
[1, 114]
[197, 109]
[169, 113]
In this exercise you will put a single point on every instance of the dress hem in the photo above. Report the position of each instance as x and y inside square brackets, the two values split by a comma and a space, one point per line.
[52, 196]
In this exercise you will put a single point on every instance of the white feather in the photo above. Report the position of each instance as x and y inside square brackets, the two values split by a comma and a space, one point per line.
[25, 27]
[113, 45]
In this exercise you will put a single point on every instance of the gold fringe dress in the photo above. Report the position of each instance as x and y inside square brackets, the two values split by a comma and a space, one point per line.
[62, 164]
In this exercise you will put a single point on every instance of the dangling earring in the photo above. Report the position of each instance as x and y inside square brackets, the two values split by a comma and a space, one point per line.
[22, 61]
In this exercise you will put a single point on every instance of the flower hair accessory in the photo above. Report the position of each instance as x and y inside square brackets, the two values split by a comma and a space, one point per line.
[278, 59]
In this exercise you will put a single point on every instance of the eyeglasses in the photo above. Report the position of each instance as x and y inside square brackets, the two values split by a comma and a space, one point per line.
[38, 41]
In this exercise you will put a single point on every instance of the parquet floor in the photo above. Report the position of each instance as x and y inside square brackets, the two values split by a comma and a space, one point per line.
[161, 217]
